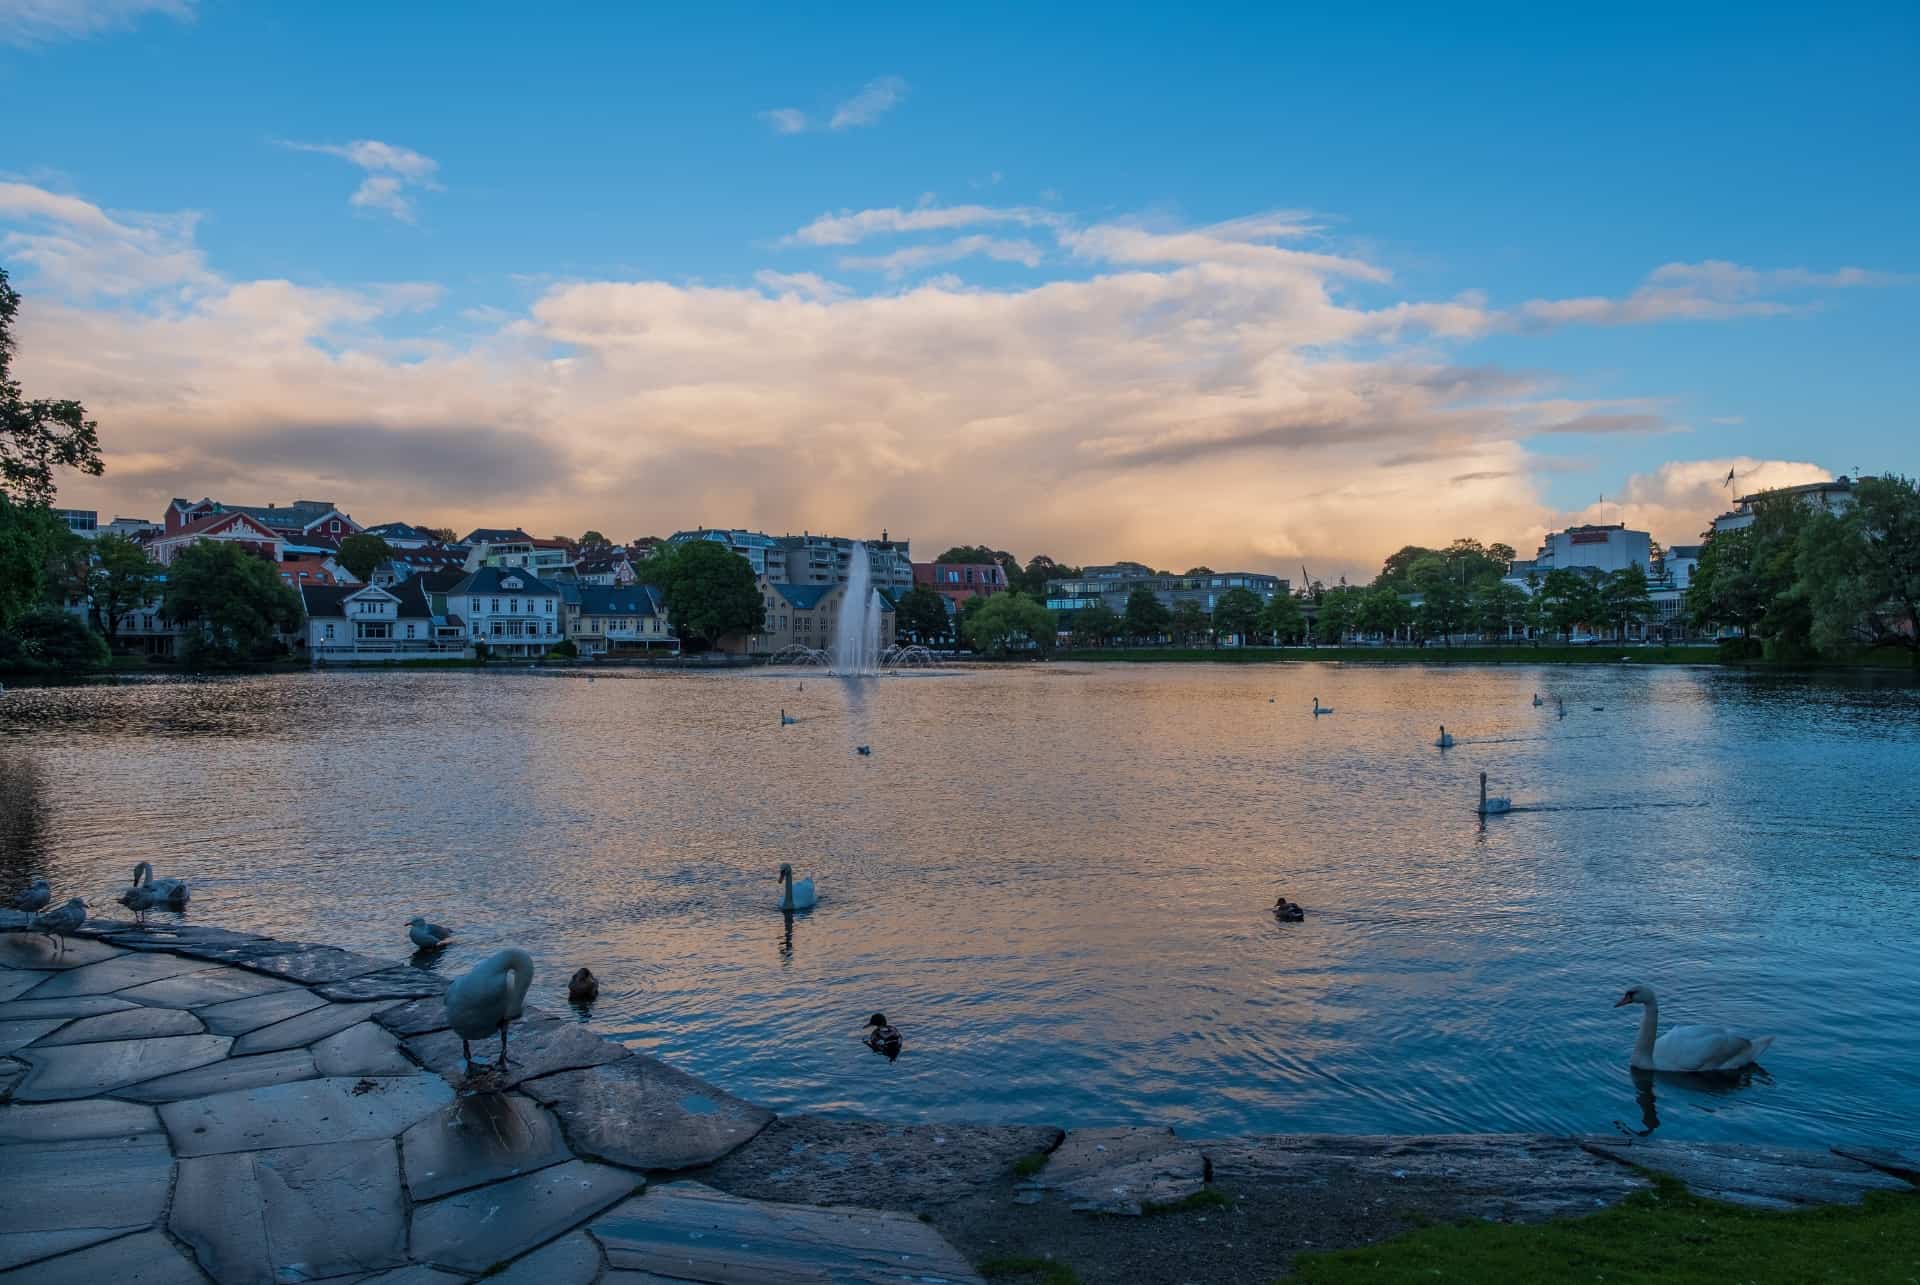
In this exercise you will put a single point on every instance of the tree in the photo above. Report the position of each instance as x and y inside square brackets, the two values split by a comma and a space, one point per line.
[123, 580]
[50, 639]
[1145, 616]
[594, 540]
[1624, 598]
[921, 614]
[1096, 624]
[1189, 623]
[1237, 613]
[1010, 621]
[711, 591]
[1339, 608]
[37, 436]
[978, 554]
[1747, 578]
[1860, 573]
[1382, 611]
[1442, 611]
[1498, 608]
[1040, 569]
[361, 554]
[1568, 599]
[1399, 565]
[236, 600]
[444, 534]
[1283, 618]
[1200, 571]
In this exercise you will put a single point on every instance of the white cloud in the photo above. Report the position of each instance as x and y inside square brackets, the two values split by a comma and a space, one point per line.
[849, 227]
[901, 262]
[786, 120]
[392, 173]
[27, 23]
[1677, 501]
[875, 99]
[84, 250]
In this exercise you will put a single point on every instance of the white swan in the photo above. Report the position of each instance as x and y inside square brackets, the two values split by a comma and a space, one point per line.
[148, 893]
[795, 896]
[491, 995]
[427, 936]
[1446, 738]
[1319, 709]
[1687, 1048]
[1492, 806]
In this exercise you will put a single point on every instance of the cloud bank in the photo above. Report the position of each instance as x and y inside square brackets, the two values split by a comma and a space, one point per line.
[26, 23]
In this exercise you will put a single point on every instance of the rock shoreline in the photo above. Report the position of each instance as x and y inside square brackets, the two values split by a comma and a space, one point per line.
[187, 1103]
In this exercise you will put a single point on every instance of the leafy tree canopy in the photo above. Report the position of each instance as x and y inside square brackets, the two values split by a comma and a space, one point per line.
[235, 600]
[361, 554]
[1284, 619]
[1146, 617]
[711, 591]
[1009, 622]
[921, 614]
[1237, 612]
[51, 640]
[37, 436]
[122, 580]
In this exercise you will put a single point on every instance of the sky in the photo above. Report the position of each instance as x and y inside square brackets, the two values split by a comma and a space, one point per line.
[1237, 286]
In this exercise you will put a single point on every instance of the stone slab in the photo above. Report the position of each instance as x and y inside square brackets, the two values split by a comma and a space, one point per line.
[68, 1121]
[32, 950]
[1758, 1177]
[1503, 1177]
[640, 1112]
[298, 961]
[306, 1113]
[256, 1072]
[362, 1049]
[572, 1260]
[135, 1024]
[414, 1275]
[145, 1258]
[17, 1035]
[684, 1231]
[115, 974]
[1901, 1164]
[309, 1027]
[293, 1214]
[58, 1186]
[818, 1160]
[208, 986]
[89, 1070]
[237, 1017]
[391, 983]
[21, 1247]
[12, 1071]
[178, 938]
[15, 980]
[476, 1229]
[72, 1006]
[480, 1139]
[416, 1017]
[539, 1044]
[1121, 1171]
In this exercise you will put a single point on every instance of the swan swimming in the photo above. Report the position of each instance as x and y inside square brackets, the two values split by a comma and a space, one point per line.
[1537, 702]
[1319, 709]
[795, 895]
[1492, 806]
[1687, 1048]
[1446, 738]
[427, 936]
[487, 998]
[786, 721]
[148, 893]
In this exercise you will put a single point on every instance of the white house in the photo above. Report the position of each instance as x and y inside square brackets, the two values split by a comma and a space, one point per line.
[350, 624]
[512, 612]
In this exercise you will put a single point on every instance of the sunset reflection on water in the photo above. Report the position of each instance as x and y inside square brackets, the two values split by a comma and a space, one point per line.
[1056, 880]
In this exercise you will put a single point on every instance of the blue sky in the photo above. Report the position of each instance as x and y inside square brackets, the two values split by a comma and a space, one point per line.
[577, 213]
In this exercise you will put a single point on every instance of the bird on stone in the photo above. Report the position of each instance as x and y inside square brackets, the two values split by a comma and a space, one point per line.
[883, 1038]
[489, 997]
[57, 925]
[427, 936]
[583, 987]
[34, 899]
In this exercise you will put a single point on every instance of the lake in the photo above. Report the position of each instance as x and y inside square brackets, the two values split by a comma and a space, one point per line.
[1055, 879]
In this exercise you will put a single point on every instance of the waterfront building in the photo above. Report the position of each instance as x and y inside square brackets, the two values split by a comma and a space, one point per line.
[1834, 497]
[314, 569]
[805, 616]
[305, 525]
[607, 568]
[1113, 584]
[84, 523]
[357, 624]
[409, 561]
[403, 535]
[808, 559]
[959, 581]
[615, 620]
[1600, 548]
[513, 612]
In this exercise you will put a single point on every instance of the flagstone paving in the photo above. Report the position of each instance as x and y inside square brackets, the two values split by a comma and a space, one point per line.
[181, 1104]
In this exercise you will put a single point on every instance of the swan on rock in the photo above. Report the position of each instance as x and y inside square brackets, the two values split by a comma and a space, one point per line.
[795, 895]
[35, 899]
[57, 925]
[1687, 1048]
[491, 995]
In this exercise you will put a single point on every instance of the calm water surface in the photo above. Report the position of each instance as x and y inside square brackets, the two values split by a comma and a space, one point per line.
[1055, 879]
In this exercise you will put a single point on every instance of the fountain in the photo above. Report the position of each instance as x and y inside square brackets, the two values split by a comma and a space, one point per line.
[856, 632]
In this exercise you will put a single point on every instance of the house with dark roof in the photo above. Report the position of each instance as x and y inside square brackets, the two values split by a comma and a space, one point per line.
[228, 527]
[511, 611]
[615, 620]
[359, 624]
[804, 615]
[403, 535]
[319, 525]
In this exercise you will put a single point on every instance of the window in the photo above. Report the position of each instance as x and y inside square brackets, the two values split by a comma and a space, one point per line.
[513, 606]
[496, 604]
[329, 633]
[334, 526]
[410, 629]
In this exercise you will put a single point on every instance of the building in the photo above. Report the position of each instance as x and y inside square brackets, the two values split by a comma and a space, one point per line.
[511, 611]
[1601, 548]
[84, 523]
[807, 616]
[306, 525]
[407, 561]
[813, 559]
[314, 569]
[1834, 497]
[615, 620]
[607, 569]
[959, 581]
[1112, 585]
[514, 548]
[226, 525]
[358, 624]
[132, 528]
[404, 535]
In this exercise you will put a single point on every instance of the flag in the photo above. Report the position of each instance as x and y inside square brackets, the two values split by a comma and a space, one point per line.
[1729, 481]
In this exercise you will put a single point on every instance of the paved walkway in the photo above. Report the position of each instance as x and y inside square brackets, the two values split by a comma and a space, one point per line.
[187, 1104]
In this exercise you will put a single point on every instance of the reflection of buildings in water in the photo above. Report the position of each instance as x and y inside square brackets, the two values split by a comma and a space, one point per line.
[23, 822]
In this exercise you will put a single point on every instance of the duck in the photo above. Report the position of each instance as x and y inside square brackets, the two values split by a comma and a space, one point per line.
[487, 999]
[864, 751]
[1289, 912]
[1694, 1049]
[1446, 738]
[35, 899]
[882, 1038]
[1492, 806]
[795, 895]
[1537, 702]
[583, 987]
[1319, 709]
[148, 893]
[427, 936]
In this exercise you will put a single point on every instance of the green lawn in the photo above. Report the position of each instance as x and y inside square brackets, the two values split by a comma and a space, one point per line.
[1666, 1236]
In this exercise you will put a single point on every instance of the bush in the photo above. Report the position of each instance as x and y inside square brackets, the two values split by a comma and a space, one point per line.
[563, 650]
[1735, 651]
[52, 641]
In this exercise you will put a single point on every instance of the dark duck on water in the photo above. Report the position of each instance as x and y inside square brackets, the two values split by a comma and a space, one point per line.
[882, 1038]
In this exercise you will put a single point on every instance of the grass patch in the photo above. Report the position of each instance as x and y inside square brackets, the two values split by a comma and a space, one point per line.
[1205, 1198]
[1666, 1235]
[1042, 1271]
[1027, 1166]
